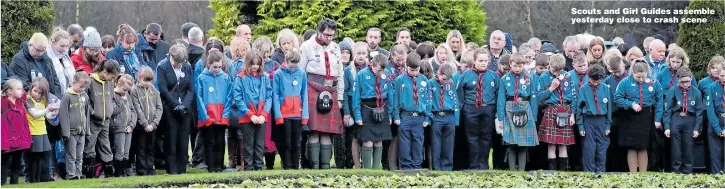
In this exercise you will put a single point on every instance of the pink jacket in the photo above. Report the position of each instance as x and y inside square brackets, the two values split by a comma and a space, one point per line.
[15, 128]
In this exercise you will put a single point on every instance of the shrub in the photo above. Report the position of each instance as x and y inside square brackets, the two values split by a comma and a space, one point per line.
[702, 41]
[20, 19]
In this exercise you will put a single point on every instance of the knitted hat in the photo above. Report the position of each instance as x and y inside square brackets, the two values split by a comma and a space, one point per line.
[345, 45]
[92, 39]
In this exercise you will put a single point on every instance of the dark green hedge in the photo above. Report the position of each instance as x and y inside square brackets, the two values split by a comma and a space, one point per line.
[20, 19]
[702, 41]
[386, 179]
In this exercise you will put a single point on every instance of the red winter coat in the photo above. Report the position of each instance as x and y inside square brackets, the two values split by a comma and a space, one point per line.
[15, 128]
[78, 64]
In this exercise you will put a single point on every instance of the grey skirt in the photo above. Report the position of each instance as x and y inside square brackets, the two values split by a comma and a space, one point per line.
[40, 143]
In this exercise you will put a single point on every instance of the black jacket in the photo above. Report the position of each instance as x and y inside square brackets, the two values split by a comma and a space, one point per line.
[22, 65]
[172, 90]
[278, 56]
[195, 53]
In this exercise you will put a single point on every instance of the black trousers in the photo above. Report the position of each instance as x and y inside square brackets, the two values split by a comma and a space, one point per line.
[288, 144]
[11, 166]
[253, 135]
[38, 166]
[144, 151]
[214, 146]
[176, 142]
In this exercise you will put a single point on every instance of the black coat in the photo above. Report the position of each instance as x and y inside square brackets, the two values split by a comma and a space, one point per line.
[278, 56]
[172, 89]
[195, 53]
[22, 65]
[161, 50]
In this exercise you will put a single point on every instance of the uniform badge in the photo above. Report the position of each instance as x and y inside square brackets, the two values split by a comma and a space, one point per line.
[493, 84]
[522, 81]
[683, 114]
[651, 89]
[473, 82]
[294, 83]
[508, 78]
[648, 80]
[605, 100]
[382, 76]
[37, 106]
[528, 81]
[561, 77]
[211, 89]
[707, 97]
[423, 83]
[692, 103]
[523, 87]
[450, 93]
[633, 85]
[508, 84]
[367, 77]
[182, 75]
[679, 103]
[448, 87]
[123, 70]
[566, 84]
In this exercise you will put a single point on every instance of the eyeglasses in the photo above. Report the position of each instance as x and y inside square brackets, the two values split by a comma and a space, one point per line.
[39, 50]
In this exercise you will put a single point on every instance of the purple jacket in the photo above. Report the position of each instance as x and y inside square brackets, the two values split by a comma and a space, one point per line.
[15, 128]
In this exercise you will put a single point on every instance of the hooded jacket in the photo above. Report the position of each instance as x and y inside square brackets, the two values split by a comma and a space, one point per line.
[124, 115]
[147, 104]
[15, 129]
[290, 95]
[101, 98]
[253, 94]
[78, 63]
[23, 66]
[214, 98]
[152, 54]
[75, 113]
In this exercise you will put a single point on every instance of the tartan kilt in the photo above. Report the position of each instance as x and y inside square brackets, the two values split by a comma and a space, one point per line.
[519, 136]
[330, 122]
[550, 133]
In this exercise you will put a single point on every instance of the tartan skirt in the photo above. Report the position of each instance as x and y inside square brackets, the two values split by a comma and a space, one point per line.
[330, 122]
[550, 133]
[519, 136]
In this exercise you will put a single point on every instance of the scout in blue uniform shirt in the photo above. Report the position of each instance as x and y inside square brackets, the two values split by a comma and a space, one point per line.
[359, 55]
[290, 107]
[497, 144]
[578, 77]
[713, 71]
[641, 98]
[516, 105]
[594, 117]
[443, 120]
[616, 156]
[395, 68]
[715, 102]
[374, 100]
[461, 141]
[412, 113]
[504, 65]
[556, 94]
[214, 101]
[479, 87]
[684, 110]
[676, 59]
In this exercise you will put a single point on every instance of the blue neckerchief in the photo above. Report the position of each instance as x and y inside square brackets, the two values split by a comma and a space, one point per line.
[131, 61]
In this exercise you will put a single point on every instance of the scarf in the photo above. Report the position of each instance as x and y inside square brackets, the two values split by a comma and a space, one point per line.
[130, 59]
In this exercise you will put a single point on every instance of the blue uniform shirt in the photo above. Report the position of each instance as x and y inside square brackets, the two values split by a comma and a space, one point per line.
[628, 93]
[394, 72]
[613, 82]
[445, 94]
[507, 88]
[236, 66]
[715, 105]
[675, 104]
[365, 88]
[350, 82]
[704, 84]
[587, 104]
[405, 99]
[469, 83]
[668, 79]
[577, 79]
[565, 89]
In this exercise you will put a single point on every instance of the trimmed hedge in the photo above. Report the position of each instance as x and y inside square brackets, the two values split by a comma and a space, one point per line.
[386, 179]
[702, 41]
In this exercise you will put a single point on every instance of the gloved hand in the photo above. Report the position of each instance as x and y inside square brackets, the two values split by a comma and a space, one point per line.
[180, 108]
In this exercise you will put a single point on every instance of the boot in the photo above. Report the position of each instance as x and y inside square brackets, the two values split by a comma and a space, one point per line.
[325, 155]
[563, 164]
[108, 169]
[118, 166]
[242, 163]
[367, 153]
[233, 148]
[269, 160]
[314, 155]
[552, 164]
[128, 168]
[89, 167]
[377, 157]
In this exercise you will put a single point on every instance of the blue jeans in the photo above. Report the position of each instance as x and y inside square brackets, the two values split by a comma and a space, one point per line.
[596, 142]
[444, 132]
[410, 142]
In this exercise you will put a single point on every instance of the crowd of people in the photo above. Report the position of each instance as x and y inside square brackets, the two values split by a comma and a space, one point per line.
[77, 105]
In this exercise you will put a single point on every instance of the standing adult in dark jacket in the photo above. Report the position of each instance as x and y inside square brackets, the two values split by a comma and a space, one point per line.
[150, 46]
[31, 62]
[196, 51]
[6, 73]
[177, 93]
[125, 52]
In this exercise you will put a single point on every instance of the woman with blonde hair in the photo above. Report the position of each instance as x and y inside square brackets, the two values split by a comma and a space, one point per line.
[595, 53]
[287, 40]
[443, 54]
[455, 41]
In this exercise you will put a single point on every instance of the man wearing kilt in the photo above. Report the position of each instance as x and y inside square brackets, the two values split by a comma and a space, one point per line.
[320, 60]
[556, 127]
[516, 113]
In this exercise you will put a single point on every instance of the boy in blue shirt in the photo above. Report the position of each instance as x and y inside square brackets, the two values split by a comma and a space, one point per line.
[683, 119]
[444, 109]
[715, 108]
[412, 113]
[594, 117]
